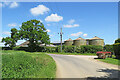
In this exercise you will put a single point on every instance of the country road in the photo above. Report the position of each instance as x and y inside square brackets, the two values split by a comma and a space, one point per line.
[80, 66]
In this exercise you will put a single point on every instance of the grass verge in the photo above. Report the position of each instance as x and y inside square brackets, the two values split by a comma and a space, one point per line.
[21, 64]
[111, 61]
[92, 54]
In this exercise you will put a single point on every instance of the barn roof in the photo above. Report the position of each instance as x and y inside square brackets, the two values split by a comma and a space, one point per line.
[69, 39]
[79, 38]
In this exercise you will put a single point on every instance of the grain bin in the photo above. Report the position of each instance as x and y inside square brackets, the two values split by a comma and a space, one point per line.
[79, 41]
[96, 41]
[68, 42]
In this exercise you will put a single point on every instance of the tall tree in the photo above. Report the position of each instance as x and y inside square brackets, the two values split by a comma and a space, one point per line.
[35, 32]
[11, 41]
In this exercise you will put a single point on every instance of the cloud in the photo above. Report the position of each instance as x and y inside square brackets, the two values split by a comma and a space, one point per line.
[53, 18]
[70, 26]
[51, 35]
[12, 25]
[1, 39]
[48, 24]
[9, 4]
[39, 10]
[20, 25]
[71, 21]
[13, 5]
[76, 34]
[40, 20]
[6, 33]
[48, 30]
[85, 35]
[0, 4]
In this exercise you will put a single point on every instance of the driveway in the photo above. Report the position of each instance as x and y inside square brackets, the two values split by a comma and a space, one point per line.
[80, 66]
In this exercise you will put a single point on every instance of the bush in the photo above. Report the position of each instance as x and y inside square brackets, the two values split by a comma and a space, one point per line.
[69, 49]
[6, 48]
[117, 41]
[21, 48]
[49, 49]
[90, 48]
[116, 48]
[82, 49]
[108, 48]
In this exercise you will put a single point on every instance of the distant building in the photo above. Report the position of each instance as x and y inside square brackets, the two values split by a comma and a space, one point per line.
[80, 41]
[25, 44]
[77, 42]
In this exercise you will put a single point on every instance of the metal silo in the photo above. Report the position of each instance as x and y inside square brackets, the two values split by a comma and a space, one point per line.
[68, 42]
[79, 41]
[96, 41]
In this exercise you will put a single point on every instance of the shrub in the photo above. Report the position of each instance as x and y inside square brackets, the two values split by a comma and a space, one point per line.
[90, 48]
[77, 49]
[6, 48]
[108, 48]
[116, 48]
[21, 48]
[49, 49]
[117, 41]
[83, 49]
[69, 49]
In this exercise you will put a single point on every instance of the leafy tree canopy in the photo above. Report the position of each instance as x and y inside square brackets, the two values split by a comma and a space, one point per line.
[35, 32]
[11, 41]
[117, 41]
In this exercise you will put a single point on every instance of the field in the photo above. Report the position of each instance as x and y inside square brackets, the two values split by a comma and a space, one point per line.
[111, 61]
[21, 64]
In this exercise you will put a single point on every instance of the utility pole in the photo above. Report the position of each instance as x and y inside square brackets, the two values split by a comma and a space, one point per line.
[61, 38]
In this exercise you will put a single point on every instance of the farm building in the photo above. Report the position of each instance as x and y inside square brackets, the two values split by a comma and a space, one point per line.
[77, 42]
[95, 41]
[25, 44]
[80, 41]
[68, 42]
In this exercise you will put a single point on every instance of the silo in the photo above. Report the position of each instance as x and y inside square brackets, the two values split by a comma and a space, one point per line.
[79, 41]
[68, 42]
[96, 41]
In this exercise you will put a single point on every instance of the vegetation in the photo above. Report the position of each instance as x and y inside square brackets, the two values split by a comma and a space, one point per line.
[111, 61]
[116, 48]
[20, 64]
[63, 53]
[11, 41]
[108, 48]
[33, 31]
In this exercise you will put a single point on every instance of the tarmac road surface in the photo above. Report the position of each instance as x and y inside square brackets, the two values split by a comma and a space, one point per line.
[80, 66]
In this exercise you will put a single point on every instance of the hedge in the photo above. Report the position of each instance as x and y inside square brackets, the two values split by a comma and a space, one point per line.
[116, 48]
[108, 48]
[88, 49]
[66, 49]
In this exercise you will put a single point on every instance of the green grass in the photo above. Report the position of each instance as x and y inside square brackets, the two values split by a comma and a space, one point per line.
[111, 61]
[92, 54]
[21, 64]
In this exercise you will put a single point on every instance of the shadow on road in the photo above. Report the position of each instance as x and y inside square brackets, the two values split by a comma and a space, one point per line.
[112, 74]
